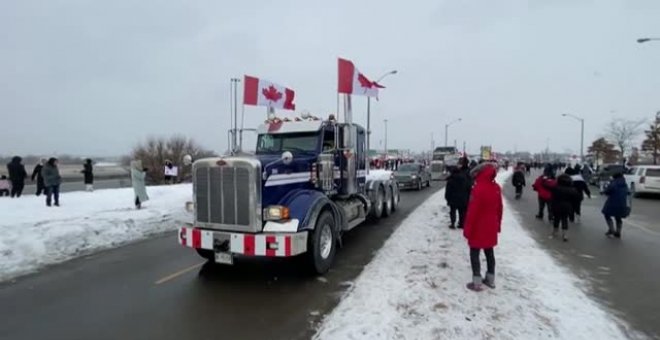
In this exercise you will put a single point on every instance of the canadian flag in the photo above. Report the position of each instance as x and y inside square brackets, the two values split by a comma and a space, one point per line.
[261, 92]
[351, 81]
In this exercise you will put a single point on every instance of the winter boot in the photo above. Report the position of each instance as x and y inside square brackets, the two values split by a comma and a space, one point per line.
[475, 285]
[564, 235]
[617, 233]
[451, 226]
[539, 217]
[489, 280]
[610, 229]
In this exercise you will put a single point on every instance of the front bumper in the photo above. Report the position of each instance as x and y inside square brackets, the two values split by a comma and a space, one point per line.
[270, 245]
[408, 184]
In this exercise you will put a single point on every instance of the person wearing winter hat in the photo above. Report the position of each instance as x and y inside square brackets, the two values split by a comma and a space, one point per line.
[483, 224]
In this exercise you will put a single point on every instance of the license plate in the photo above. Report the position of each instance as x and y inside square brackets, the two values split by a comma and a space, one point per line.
[225, 258]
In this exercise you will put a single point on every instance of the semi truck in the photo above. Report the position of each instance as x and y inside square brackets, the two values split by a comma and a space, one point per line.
[303, 188]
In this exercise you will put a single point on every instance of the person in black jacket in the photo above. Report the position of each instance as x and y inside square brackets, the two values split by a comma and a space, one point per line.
[457, 194]
[519, 180]
[36, 173]
[582, 188]
[563, 198]
[87, 171]
[17, 175]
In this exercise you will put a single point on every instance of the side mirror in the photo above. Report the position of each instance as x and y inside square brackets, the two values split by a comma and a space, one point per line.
[287, 157]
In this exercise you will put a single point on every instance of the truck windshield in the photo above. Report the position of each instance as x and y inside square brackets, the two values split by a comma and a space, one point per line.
[294, 142]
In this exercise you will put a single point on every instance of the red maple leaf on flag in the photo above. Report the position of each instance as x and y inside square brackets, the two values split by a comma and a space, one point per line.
[366, 83]
[271, 93]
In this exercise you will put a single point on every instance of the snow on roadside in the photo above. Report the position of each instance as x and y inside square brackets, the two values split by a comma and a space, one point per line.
[415, 289]
[33, 235]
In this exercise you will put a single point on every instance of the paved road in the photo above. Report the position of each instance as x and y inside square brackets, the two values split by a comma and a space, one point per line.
[622, 274]
[158, 290]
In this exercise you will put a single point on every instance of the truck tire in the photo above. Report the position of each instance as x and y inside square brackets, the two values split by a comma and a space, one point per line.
[387, 205]
[377, 206]
[322, 244]
[207, 254]
[395, 200]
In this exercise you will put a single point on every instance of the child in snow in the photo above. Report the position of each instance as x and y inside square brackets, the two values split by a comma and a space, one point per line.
[5, 186]
[483, 223]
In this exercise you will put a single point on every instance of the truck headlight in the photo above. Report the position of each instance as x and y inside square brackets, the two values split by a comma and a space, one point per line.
[190, 206]
[276, 213]
[413, 176]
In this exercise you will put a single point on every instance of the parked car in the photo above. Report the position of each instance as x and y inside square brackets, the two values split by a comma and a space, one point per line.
[604, 174]
[644, 179]
[413, 175]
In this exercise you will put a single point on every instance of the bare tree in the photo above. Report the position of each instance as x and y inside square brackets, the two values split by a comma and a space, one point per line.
[156, 150]
[622, 132]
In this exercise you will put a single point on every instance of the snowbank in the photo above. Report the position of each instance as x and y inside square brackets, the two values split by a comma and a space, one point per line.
[33, 235]
[415, 289]
[379, 174]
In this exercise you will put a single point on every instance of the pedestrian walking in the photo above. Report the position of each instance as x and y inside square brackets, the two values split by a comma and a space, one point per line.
[541, 185]
[582, 189]
[5, 186]
[457, 194]
[518, 180]
[616, 206]
[52, 181]
[563, 200]
[88, 173]
[138, 175]
[483, 224]
[17, 176]
[36, 173]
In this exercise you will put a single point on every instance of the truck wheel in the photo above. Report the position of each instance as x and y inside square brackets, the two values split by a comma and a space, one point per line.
[322, 244]
[387, 207]
[207, 254]
[395, 200]
[377, 206]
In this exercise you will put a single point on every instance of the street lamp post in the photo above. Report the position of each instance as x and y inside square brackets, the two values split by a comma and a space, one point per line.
[655, 137]
[447, 130]
[581, 133]
[369, 112]
[385, 120]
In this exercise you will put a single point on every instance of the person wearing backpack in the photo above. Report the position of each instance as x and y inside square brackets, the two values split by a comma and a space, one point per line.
[616, 206]
[518, 180]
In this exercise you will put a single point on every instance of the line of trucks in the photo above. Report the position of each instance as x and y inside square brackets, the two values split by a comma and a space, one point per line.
[305, 186]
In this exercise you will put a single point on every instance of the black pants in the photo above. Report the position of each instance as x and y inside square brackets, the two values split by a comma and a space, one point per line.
[519, 189]
[561, 218]
[53, 192]
[476, 264]
[40, 187]
[542, 205]
[461, 215]
[137, 202]
[17, 188]
[619, 221]
[4, 192]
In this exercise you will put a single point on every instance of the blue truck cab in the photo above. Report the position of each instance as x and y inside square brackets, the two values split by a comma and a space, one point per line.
[306, 185]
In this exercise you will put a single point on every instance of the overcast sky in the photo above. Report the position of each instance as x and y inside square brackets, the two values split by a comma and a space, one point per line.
[95, 77]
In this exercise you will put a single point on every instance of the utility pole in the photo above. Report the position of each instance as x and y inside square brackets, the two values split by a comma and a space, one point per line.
[656, 138]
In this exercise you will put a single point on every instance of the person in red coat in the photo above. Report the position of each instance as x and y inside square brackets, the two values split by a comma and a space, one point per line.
[483, 223]
[543, 186]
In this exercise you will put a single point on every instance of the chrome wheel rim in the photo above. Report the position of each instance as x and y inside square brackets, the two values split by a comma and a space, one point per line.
[326, 241]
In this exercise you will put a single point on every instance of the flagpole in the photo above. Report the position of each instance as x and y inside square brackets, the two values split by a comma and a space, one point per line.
[368, 130]
[337, 106]
[240, 143]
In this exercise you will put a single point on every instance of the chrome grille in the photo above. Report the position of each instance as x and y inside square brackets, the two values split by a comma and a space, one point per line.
[228, 197]
[436, 167]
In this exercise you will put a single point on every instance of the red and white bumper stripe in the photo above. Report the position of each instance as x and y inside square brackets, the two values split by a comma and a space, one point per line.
[271, 245]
